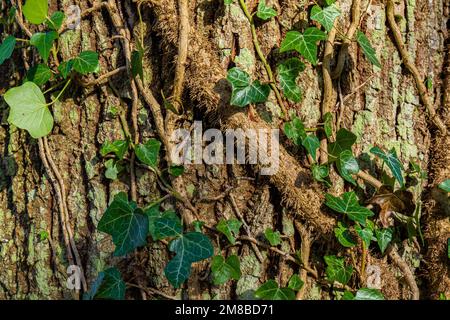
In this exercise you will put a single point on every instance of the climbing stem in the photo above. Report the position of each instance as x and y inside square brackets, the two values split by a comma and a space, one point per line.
[60, 93]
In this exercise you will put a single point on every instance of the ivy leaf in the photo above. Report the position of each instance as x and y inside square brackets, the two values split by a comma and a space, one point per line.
[7, 48]
[167, 227]
[29, 110]
[189, 248]
[348, 295]
[336, 270]
[118, 147]
[230, 228]
[136, 63]
[287, 74]
[227, 2]
[391, 161]
[238, 78]
[320, 172]
[367, 48]
[127, 224]
[273, 237]
[244, 92]
[112, 169]
[384, 237]
[108, 285]
[148, 153]
[311, 144]
[365, 234]
[445, 185]
[344, 141]
[271, 291]
[65, 67]
[344, 236]
[39, 74]
[35, 11]
[265, 12]
[295, 283]
[347, 165]
[295, 130]
[56, 20]
[369, 294]
[305, 44]
[176, 171]
[328, 124]
[86, 62]
[325, 16]
[44, 42]
[349, 205]
[224, 270]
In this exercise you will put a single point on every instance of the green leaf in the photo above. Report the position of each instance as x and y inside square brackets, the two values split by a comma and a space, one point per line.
[320, 172]
[127, 224]
[7, 48]
[288, 72]
[305, 44]
[384, 237]
[112, 169]
[227, 2]
[238, 78]
[369, 294]
[344, 236]
[35, 11]
[176, 171]
[336, 270]
[148, 153]
[311, 144]
[86, 62]
[273, 237]
[348, 295]
[167, 227]
[391, 161]
[118, 147]
[39, 74]
[56, 20]
[295, 130]
[65, 67]
[198, 225]
[136, 63]
[152, 212]
[295, 283]
[365, 234]
[445, 185]
[44, 42]
[367, 48]
[349, 205]
[325, 16]
[271, 291]
[244, 92]
[29, 110]
[328, 124]
[344, 141]
[112, 286]
[230, 228]
[189, 248]
[265, 12]
[224, 270]
[347, 165]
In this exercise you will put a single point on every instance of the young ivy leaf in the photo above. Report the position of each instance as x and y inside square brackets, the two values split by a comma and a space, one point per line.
[86, 62]
[368, 294]
[244, 92]
[126, 223]
[320, 172]
[35, 11]
[271, 291]
[65, 67]
[230, 228]
[367, 48]
[136, 63]
[224, 270]
[311, 144]
[304, 43]
[344, 141]
[118, 147]
[349, 205]
[108, 285]
[28, 110]
[39, 74]
[273, 237]
[295, 130]
[227, 2]
[113, 168]
[325, 16]
[56, 20]
[264, 12]
[365, 234]
[148, 153]
[176, 171]
[344, 236]
[44, 42]
[7, 48]
[287, 74]
[295, 283]
[391, 161]
[347, 165]
[445, 185]
[328, 124]
[384, 237]
[337, 271]
[189, 248]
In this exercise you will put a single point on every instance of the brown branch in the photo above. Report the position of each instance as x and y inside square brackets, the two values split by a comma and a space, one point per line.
[152, 291]
[409, 64]
[104, 77]
[305, 251]
[409, 276]
[370, 179]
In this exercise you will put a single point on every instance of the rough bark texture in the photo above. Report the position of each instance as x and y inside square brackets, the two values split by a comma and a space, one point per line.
[385, 111]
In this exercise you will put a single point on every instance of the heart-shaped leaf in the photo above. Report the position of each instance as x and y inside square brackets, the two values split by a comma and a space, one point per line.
[86, 62]
[304, 43]
[271, 291]
[118, 147]
[224, 270]
[56, 20]
[273, 237]
[344, 236]
[384, 237]
[108, 285]
[392, 162]
[337, 270]
[349, 205]
[344, 141]
[287, 74]
[35, 11]
[7, 48]
[347, 165]
[44, 42]
[295, 283]
[295, 130]
[230, 228]
[148, 153]
[39, 74]
[65, 67]
[264, 12]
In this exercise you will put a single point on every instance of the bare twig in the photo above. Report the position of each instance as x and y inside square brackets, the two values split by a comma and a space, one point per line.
[152, 291]
[305, 251]
[370, 179]
[104, 77]
[409, 276]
